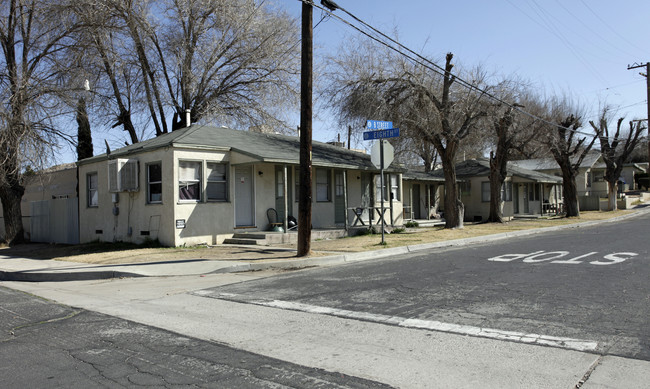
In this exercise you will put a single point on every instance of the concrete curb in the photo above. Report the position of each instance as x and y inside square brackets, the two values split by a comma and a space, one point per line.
[54, 276]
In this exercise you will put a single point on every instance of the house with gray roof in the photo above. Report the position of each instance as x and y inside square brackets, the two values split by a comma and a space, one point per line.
[524, 192]
[423, 195]
[202, 184]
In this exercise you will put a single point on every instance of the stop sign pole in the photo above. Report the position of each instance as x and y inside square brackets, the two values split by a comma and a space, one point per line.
[385, 130]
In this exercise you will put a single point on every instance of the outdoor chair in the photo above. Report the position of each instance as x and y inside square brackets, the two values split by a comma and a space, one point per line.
[274, 223]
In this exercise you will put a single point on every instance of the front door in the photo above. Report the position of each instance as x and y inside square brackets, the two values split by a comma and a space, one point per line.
[416, 201]
[339, 198]
[515, 198]
[244, 206]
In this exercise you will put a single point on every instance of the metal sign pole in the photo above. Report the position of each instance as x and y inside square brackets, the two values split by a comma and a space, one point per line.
[381, 180]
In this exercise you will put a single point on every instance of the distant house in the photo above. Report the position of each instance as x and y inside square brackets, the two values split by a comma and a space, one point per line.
[590, 180]
[524, 192]
[201, 184]
[423, 195]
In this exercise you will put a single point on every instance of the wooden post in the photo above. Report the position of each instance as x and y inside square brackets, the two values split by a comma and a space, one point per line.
[304, 204]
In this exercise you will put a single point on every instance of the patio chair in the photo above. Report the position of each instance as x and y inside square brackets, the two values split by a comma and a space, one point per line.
[274, 223]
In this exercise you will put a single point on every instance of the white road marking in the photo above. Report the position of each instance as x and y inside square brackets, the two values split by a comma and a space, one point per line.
[432, 325]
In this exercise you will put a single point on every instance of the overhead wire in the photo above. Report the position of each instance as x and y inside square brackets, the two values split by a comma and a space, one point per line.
[425, 62]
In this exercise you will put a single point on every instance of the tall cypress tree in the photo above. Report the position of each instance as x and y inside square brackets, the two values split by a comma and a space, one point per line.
[84, 137]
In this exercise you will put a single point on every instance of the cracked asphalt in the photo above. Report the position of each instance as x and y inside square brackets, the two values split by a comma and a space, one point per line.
[44, 344]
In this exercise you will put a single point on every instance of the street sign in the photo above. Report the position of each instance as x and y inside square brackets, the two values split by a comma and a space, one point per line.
[378, 125]
[375, 154]
[381, 134]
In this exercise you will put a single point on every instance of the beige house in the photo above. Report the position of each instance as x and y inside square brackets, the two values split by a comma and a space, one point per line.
[201, 184]
[423, 195]
[524, 193]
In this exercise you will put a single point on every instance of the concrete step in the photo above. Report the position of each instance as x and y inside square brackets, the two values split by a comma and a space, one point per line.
[247, 241]
[250, 235]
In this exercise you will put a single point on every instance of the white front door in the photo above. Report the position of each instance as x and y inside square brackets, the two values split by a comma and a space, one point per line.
[244, 206]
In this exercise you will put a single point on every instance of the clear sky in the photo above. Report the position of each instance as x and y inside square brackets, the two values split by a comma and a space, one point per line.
[580, 47]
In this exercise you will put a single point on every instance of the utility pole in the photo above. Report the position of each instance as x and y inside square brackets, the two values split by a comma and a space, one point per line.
[647, 79]
[304, 200]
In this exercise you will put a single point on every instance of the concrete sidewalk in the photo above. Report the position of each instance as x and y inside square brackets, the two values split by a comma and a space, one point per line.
[13, 268]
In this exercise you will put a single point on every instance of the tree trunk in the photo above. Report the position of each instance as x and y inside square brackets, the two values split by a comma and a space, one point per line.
[454, 208]
[570, 195]
[612, 187]
[11, 196]
[497, 178]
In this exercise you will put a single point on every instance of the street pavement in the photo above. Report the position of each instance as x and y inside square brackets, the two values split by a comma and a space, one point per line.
[354, 345]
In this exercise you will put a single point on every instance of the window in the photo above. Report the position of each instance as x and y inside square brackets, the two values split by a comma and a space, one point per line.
[506, 191]
[279, 190]
[91, 184]
[323, 185]
[189, 181]
[217, 181]
[485, 191]
[465, 188]
[154, 183]
[394, 187]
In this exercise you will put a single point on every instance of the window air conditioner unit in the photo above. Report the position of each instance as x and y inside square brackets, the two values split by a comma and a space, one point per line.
[123, 175]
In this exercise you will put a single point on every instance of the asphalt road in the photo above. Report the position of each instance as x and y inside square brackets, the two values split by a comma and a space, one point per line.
[585, 283]
[48, 345]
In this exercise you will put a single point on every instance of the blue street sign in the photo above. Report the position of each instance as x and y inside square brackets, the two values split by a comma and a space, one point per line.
[381, 134]
[378, 125]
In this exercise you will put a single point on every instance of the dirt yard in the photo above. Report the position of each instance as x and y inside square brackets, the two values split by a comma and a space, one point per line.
[104, 253]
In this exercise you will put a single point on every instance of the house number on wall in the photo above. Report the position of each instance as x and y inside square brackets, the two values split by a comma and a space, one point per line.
[564, 257]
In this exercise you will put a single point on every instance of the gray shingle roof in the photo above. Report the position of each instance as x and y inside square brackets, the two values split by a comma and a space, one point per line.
[550, 164]
[481, 168]
[272, 148]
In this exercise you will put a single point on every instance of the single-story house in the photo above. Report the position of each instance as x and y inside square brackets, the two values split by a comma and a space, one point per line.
[201, 184]
[423, 195]
[524, 192]
[585, 183]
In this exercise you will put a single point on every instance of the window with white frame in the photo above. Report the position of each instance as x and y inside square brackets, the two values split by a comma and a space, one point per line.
[93, 195]
[279, 182]
[394, 187]
[189, 181]
[217, 189]
[323, 185]
[154, 183]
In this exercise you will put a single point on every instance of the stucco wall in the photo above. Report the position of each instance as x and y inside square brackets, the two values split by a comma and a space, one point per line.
[135, 220]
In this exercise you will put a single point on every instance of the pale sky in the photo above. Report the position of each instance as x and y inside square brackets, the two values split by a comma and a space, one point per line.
[581, 47]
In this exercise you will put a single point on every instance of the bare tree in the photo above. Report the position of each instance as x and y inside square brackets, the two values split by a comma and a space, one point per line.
[513, 129]
[414, 97]
[35, 37]
[233, 61]
[568, 148]
[614, 156]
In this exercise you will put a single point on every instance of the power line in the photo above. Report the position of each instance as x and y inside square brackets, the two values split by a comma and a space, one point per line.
[428, 64]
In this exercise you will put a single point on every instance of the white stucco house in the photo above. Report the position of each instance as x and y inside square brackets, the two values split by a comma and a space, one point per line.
[202, 184]
[525, 192]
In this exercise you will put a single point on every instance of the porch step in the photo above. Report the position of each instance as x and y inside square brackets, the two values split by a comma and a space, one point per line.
[247, 238]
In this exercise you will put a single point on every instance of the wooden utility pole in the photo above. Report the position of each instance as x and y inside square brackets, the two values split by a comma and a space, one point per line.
[304, 201]
[647, 79]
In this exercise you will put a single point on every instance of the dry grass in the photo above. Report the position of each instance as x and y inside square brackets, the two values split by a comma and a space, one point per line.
[438, 234]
